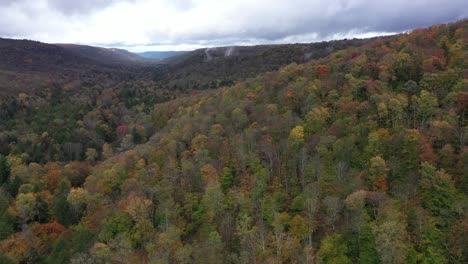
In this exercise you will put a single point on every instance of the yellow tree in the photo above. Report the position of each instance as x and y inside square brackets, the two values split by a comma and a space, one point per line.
[316, 119]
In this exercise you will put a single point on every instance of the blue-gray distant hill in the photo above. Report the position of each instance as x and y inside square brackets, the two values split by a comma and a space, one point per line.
[160, 55]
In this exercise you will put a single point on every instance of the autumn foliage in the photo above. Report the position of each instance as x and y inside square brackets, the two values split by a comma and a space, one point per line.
[356, 157]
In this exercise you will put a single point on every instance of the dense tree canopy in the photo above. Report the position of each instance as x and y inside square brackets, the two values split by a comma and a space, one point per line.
[357, 157]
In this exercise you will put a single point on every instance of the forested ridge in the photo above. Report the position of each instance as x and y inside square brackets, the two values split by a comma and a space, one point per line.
[357, 157]
[57, 101]
[223, 66]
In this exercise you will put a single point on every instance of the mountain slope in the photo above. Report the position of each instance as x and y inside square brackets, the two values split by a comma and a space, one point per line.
[26, 55]
[30, 65]
[336, 160]
[88, 88]
[357, 157]
[215, 67]
[27, 66]
[106, 56]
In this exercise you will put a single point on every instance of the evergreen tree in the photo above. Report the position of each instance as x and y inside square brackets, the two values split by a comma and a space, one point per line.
[4, 169]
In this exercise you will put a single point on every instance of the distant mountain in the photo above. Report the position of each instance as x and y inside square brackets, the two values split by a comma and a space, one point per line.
[107, 56]
[27, 65]
[160, 55]
[198, 69]
[214, 67]
[27, 55]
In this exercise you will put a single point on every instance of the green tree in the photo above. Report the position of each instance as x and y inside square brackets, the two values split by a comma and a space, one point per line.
[60, 253]
[213, 201]
[7, 220]
[61, 208]
[333, 206]
[82, 238]
[367, 248]
[25, 207]
[298, 227]
[227, 179]
[41, 210]
[311, 206]
[390, 235]
[431, 248]
[297, 203]
[333, 249]
[363, 240]
[437, 190]
[5, 260]
[210, 249]
[118, 223]
[406, 67]
[280, 223]
[316, 119]
[426, 106]
[4, 169]
[91, 154]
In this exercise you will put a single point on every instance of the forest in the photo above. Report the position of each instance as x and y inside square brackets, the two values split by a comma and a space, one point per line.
[358, 155]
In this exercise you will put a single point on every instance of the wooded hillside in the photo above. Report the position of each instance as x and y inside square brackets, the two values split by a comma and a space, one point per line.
[357, 157]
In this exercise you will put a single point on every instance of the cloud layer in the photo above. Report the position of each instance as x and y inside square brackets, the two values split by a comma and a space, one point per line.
[185, 24]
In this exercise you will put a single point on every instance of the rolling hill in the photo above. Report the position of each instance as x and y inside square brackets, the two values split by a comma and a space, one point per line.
[214, 67]
[27, 65]
[106, 56]
[358, 155]
[30, 65]
[27, 55]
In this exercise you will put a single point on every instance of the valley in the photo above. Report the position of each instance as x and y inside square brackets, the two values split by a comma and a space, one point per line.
[346, 151]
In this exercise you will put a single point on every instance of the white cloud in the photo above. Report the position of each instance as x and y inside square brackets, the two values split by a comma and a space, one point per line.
[187, 24]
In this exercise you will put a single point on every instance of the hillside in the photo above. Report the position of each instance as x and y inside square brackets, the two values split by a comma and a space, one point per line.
[356, 157]
[214, 67]
[83, 104]
[105, 56]
[31, 66]
[26, 55]
[34, 67]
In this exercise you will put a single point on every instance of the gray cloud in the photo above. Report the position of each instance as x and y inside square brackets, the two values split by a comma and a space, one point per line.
[377, 16]
[80, 6]
[302, 20]
[210, 22]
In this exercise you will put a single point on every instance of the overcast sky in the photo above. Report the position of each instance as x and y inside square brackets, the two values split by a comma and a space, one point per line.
[140, 25]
